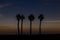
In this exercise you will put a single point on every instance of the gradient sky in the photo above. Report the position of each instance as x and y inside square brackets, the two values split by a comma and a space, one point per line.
[50, 9]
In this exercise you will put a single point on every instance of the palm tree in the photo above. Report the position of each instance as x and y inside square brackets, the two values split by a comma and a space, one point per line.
[22, 18]
[31, 18]
[40, 17]
[18, 19]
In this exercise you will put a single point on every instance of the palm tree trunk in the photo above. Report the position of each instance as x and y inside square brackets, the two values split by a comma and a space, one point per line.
[40, 28]
[30, 27]
[21, 27]
[18, 28]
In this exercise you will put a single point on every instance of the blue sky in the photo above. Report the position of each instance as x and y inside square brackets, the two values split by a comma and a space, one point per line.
[9, 8]
[50, 8]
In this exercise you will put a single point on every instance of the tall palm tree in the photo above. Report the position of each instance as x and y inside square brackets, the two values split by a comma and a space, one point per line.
[31, 18]
[40, 17]
[18, 19]
[22, 18]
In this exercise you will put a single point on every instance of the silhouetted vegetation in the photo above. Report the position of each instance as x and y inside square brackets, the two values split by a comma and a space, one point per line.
[22, 18]
[31, 18]
[40, 17]
[18, 19]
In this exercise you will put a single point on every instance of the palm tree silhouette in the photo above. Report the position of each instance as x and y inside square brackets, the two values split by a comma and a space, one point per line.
[40, 17]
[31, 18]
[22, 18]
[18, 19]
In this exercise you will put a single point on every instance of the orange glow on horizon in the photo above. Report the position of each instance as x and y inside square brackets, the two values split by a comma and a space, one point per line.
[46, 27]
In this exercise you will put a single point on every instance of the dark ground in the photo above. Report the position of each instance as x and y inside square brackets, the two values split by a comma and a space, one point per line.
[28, 37]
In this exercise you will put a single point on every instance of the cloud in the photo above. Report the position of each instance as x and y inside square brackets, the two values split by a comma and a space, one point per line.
[5, 5]
[52, 21]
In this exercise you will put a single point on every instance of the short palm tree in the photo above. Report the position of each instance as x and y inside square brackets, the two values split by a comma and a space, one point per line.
[40, 17]
[22, 18]
[18, 19]
[31, 18]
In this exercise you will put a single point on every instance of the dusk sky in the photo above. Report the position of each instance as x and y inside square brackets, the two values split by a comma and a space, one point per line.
[50, 9]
